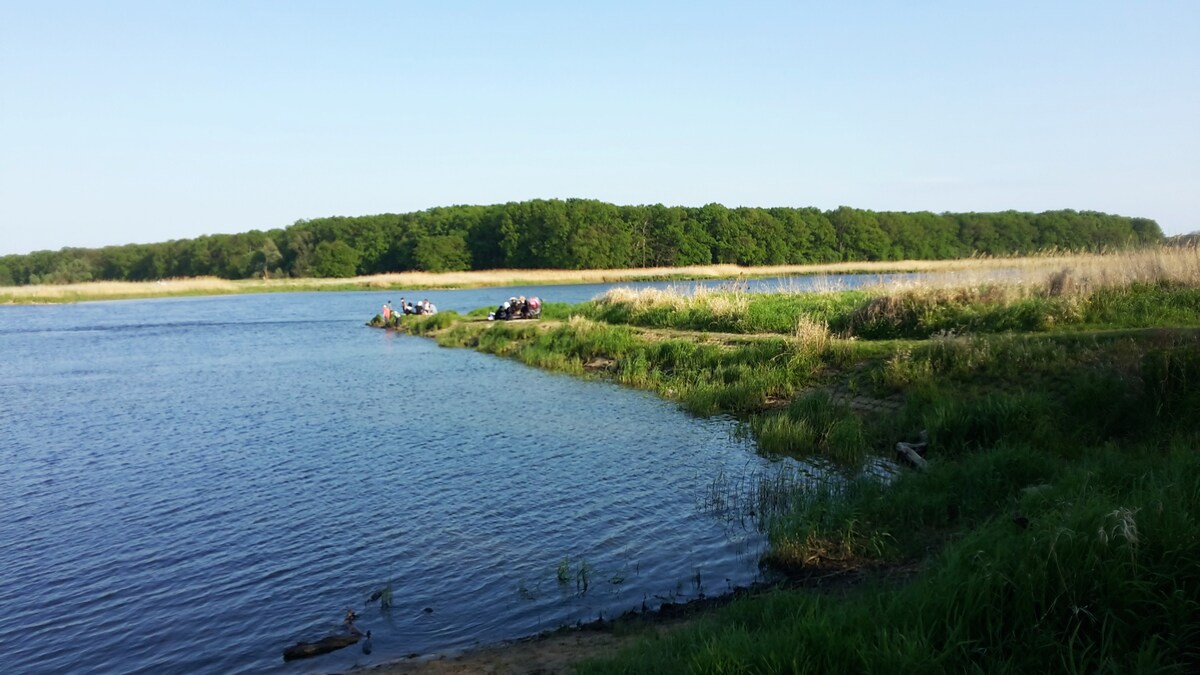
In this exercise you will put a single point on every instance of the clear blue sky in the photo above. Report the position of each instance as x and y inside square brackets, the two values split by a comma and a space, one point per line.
[130, 122]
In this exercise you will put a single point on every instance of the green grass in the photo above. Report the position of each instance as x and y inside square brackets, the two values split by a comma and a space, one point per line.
[1059, 542]
[1143, 305]
[763, 313]
[1103, 577]
[1057, 527]
[911, 314]
[420, 324]
[813, 425]
[705, 378]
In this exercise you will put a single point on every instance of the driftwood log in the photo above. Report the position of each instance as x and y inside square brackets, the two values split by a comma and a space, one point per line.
[331, 643]
[914, 453]
[910, 452]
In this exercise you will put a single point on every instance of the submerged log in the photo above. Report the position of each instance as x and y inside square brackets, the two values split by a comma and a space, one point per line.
[331, 643]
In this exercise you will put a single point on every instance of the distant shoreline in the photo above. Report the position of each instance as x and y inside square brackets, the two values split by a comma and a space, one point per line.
[127, 290]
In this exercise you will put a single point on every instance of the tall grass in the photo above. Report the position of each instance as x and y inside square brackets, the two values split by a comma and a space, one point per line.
[1058, 542]
[704, 378]
[1057, 526]
[719, 310]
[117, 290]
[1101, 576]
[813, 425]
[425, 324]
[909, 313]
[1128, 290]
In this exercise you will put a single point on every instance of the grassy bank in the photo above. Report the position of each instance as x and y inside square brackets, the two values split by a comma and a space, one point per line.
[981, 268]
[1057, 527]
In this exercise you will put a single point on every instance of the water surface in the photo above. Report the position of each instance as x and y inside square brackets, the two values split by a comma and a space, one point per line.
[191, 485]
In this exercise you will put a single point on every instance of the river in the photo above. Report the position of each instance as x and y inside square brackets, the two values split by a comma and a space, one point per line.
[191, 485]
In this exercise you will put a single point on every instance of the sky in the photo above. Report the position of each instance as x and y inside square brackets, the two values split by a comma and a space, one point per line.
[136, 122]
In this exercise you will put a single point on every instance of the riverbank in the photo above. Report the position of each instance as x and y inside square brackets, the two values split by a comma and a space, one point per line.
[1055, 520]
[1036, 265]
[561, 651]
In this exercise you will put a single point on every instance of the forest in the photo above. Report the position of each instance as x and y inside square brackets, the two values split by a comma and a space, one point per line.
[583, 234]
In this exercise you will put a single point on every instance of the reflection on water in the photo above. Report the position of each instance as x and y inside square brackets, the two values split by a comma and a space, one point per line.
[195, 484]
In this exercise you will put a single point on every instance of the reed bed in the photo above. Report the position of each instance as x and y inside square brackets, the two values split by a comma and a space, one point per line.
[112, 290]
[1053, 273]
[759, 497]
[1029, 294]
[118, 290]
[1057, 275]
[988, 267]
[1176, 263]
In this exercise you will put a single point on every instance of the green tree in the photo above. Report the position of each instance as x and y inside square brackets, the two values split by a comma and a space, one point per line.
[71, 268]
[598, 237]
[150, 264]
[676, 239]
[820, 238]
[1015, 232]
[859, 234]
[268, 257]
[1145, 231]
[978, 233]
[442, 253]
[583, 233]
[763, 238]
[334, 259]
[548, 234]
[511, 239]
[298, 250]
[939, 237]
[715, 220]
[484, 239]
[184, 254]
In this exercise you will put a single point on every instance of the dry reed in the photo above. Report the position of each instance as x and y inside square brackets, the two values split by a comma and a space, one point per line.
[111, 290]
[812, 334]
[1077, 272]
[1064, 275]
[721, 303]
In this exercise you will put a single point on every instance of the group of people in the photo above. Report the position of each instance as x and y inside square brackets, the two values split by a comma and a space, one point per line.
[513, 308]
[517, 308]
[421, 307]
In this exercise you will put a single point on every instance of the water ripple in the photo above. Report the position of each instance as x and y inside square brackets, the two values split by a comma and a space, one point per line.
[190, 487]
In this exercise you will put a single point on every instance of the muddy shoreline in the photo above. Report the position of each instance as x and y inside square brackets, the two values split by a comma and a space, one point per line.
[558, 650]
[555, 651]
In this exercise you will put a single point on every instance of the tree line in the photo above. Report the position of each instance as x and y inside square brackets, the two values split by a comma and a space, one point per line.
[582, 234]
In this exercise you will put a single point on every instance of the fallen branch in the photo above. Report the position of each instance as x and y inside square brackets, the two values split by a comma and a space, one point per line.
[909, 452]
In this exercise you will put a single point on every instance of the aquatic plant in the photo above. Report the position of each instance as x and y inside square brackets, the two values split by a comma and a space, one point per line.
[577, 573]
[383, 594]
[583, 575]
[562, 572]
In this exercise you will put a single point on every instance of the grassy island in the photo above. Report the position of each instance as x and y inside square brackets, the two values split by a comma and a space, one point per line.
[1054, 525]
